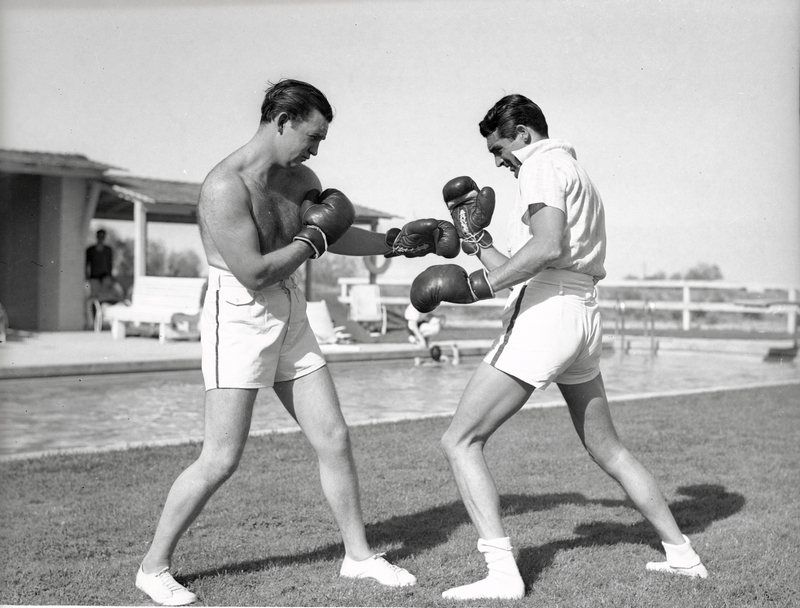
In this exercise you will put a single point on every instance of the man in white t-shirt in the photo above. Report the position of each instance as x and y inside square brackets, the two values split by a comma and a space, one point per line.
[421, 326]
[551, 332]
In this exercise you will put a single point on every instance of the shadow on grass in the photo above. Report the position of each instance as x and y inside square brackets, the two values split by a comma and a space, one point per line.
[427, 529]
[704, 505]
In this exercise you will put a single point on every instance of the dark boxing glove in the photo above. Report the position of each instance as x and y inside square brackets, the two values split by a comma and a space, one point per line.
[471, 210]
[421, 237]
[449, 283]
[326, 217]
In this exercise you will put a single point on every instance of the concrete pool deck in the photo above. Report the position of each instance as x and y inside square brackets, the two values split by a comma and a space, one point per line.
[44, 354]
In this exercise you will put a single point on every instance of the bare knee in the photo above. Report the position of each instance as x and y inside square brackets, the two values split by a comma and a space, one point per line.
[455, 443]
[607, 453]
[448, 445]
[339, 438]
[218, 466]
[334, 441]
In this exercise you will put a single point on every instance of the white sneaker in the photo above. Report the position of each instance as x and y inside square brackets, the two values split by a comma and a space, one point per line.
[696, 571]
[163, 589]
[378, 568]
[488, 589]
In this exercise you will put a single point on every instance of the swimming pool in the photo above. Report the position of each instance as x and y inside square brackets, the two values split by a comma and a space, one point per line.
[119, 410]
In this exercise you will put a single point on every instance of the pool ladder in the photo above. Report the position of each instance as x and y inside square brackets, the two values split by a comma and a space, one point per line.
[649, 327]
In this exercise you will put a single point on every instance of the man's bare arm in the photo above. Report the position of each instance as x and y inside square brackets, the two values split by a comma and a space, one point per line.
[226, 215]
[357, 241]
[544, 247]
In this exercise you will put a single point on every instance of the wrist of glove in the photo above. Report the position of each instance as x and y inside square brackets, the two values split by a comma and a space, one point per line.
[315, 238]
[479, 285]
[389, 238]
[471, 244]
[326, 217]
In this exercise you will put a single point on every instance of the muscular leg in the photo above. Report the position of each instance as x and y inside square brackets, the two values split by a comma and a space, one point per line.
[588, 407]
[227, 423]
[491, 398]
[313, 403]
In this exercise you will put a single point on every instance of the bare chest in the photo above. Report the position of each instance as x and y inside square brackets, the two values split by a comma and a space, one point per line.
[277, 218]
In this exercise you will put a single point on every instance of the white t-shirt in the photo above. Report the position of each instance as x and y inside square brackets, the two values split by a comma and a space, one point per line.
[412, 314]
[551, 175]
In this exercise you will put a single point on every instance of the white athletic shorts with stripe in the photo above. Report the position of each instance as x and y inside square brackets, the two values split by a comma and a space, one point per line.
[252, 339]
[551, 331]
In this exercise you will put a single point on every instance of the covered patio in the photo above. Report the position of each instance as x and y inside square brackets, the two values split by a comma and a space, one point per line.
[47, 202]
[142, 200]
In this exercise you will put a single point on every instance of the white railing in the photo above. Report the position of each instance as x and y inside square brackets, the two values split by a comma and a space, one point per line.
[788, 305]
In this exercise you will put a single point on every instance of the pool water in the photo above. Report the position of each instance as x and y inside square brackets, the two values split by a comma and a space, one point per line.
[114, 411]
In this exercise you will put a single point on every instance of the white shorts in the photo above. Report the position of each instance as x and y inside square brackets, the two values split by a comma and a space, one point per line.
[551, 331]
[252, 339]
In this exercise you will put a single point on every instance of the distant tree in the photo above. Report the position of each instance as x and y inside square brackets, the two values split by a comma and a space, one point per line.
[184, 263]
[704, 272]
[658, 276]
[156, 259]
[160, 261]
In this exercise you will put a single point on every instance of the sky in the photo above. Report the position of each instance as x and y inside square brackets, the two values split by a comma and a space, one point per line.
[685, 113]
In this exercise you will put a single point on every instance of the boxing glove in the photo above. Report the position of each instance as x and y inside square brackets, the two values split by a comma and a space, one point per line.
[471, 210]
[449, 283]
[421, 237]
[326, 217]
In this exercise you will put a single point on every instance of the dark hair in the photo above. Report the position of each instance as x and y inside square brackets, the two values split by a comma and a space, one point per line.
[100, 233]
[298, 99]
[511, 111]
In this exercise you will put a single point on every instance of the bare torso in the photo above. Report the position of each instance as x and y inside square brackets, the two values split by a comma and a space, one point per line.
[272, 202]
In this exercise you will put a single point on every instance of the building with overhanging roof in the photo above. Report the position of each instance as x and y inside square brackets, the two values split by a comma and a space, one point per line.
[47, 201]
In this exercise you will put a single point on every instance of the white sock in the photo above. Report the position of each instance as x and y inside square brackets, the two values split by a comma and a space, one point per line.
[681, 556]
[681, 559]
[503, 581]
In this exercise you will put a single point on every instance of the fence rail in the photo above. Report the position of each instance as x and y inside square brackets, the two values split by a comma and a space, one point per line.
[756, 301]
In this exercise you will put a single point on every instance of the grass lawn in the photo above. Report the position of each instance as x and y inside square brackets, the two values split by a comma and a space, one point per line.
[75, 527]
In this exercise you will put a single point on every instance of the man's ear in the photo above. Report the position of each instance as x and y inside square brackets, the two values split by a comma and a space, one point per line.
[282, 120]
[523, 134]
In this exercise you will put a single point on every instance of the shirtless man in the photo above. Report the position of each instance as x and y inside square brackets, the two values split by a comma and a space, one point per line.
[261, 216]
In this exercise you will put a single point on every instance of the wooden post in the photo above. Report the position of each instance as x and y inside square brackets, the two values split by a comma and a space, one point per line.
[687, 314]
[139, 240]
[92, 197]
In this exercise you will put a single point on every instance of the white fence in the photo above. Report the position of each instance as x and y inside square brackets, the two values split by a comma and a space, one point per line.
[753, 300]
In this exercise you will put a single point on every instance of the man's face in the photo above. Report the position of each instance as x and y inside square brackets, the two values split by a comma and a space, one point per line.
[502, 147]
[301, 139]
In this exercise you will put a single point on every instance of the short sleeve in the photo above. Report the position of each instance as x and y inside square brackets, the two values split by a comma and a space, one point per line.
[541, 184]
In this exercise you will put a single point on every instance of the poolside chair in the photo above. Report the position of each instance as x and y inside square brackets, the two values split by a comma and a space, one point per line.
[322, 324]
[366, 307]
